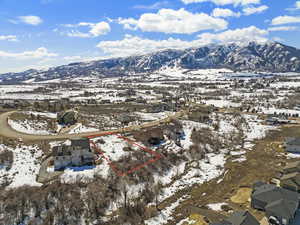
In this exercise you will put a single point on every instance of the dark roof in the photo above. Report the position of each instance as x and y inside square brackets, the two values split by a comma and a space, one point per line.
[242, 218]
[62, 150]
[258, 184]
[293, 141]
[269, 193]
[223, 222]
[295, 176]
[81, 142]
[76, 144]
[282, 208]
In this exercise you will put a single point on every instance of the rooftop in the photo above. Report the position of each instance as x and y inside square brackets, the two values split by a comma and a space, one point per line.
[240, 217]
[293, 141]
[292, 165]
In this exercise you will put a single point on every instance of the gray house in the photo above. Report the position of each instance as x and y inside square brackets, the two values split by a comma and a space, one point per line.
[291, 181]
[239, 218]
[292, 167]
[279, 204]
[78, 153]
[292, 145]
[281, 211]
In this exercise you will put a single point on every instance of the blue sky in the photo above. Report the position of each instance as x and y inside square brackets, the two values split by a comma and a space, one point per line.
[44, 33]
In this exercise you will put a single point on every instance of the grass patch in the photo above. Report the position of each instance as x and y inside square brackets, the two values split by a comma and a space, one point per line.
[242, 196]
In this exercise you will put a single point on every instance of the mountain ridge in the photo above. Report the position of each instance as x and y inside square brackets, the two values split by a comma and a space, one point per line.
[257, 57]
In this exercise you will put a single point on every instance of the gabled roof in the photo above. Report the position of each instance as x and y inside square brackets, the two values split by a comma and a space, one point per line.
[290, 184]
[269, 193]
[282, 208]
[242, 218]
[295, 176]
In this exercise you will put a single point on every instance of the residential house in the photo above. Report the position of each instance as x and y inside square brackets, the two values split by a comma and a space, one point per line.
[278, 203]
[79, 153]
[161, 107]
[281, 211]
[291, 181]
[67, 118]
[125, 118]
[292, 167]
[273, 120]
[105, 101]
[199, 117]
[297, 107]
[152, 136]
[240, 218]
[174, 132]
[292, 145]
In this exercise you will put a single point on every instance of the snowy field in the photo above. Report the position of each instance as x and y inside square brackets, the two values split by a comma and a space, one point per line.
[30, 127]
[25, 167]
[168, 78]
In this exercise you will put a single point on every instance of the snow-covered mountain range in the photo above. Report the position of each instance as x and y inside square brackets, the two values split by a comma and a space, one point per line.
[254, 56]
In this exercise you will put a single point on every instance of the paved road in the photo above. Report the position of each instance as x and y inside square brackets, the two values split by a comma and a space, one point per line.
[7, 131]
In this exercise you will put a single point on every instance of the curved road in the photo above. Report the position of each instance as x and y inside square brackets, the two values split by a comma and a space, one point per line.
[7, 131]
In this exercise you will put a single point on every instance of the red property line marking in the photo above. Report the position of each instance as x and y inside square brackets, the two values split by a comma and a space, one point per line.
[102, 134]
[131, 142]
[115, 169]
[141, 147]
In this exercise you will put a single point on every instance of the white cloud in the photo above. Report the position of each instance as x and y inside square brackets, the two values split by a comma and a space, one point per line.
[253, 10]
[283, 28]
[129, 23]
[156, 5]
[174, 21]
[8, 38]
[296, 6]
[31, 20]
[133, 45]
[75, 33]
[36, 54]
[96, 29]
[72, 58]
[224, 2]
[218, 12]
[247, 34]
[101, 28]
[285, 20]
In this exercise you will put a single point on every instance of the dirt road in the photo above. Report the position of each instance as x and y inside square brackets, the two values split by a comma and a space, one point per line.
[7, 131]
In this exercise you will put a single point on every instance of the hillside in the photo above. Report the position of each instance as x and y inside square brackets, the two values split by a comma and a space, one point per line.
[254, 56]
